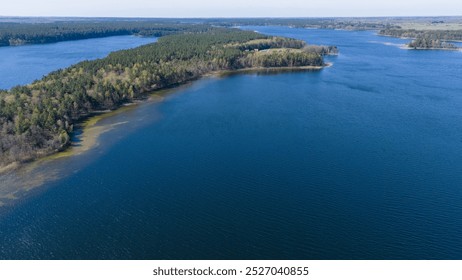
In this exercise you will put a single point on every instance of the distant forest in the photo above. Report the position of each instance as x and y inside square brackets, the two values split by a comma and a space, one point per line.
[21, 33]
[49, 30]
[37, 119]
[14, 34]
[443, 35]
[322, 23]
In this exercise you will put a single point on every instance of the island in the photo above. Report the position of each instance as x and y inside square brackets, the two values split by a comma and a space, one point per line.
[429, 39]
[38, 119]
[430, 43]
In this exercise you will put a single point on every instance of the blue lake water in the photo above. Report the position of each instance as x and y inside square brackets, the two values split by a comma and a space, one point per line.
[23, 64]
[361, 160]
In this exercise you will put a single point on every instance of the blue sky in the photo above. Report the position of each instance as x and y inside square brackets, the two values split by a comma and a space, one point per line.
[234, 8]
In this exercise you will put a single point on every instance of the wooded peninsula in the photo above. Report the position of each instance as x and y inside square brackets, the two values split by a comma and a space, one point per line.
[38, 119]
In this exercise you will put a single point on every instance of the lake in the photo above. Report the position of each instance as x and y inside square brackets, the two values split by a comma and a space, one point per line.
[21, 65]
[361, 160]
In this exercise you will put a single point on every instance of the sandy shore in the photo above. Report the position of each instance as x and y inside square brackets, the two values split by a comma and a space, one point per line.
[9, 167]
[89, 133]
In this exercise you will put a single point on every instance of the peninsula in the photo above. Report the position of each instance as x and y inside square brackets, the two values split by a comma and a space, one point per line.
[37, 119]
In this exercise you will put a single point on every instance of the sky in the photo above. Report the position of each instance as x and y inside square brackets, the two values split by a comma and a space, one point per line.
[230, 8]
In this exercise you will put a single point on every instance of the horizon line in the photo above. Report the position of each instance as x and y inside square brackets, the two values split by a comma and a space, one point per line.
[232, 17]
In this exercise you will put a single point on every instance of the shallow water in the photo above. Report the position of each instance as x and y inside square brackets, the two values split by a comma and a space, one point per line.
[361, 160]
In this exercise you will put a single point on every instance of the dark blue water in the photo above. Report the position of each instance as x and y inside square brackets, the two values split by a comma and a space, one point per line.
[24, 64]
[362, 160]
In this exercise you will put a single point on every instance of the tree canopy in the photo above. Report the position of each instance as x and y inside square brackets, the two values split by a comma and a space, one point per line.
[12, 34]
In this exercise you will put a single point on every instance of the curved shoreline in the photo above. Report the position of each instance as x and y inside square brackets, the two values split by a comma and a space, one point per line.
[21, 180]
[86, 136]
[406, 47]
[90, 131]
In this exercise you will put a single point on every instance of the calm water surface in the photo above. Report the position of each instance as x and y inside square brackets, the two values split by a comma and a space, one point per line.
[362, 160]
[24, 64]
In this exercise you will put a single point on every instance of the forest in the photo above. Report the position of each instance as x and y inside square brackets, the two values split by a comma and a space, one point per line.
[322, 23]
[38, 119]
[14, 34]
[426, 39]
[54, 30]
[43, 30]
[444, 35]
[428, 42]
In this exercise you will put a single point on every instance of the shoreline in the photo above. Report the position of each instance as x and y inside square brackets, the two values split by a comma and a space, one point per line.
[224, 73]
[406, 47]
[85, 137]
[88, 131]
[9, 167]
[413, 38]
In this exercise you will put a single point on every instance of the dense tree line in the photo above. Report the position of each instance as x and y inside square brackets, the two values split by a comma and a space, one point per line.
[38, 119]
[12, 34]
[428, 42]
[322, 50]
[281, 58]
[426, 39]
[443, 35]
[324, 23]
[20, 33]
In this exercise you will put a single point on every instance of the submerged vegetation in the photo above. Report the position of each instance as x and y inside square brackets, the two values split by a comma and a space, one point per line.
[38, 119]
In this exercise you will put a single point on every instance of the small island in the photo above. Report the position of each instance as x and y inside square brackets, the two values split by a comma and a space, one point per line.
[426, 39]
[38, 119]
[427, 43]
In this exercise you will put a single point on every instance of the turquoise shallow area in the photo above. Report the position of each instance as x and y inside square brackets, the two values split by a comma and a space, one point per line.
[361, 160]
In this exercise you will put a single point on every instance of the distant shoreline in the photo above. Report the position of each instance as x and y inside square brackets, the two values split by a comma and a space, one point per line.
[406, 47]
[266, 69]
